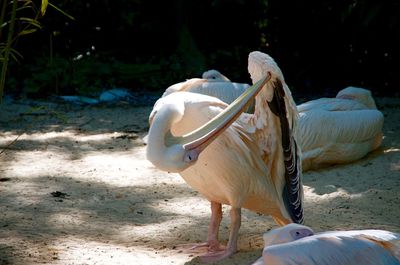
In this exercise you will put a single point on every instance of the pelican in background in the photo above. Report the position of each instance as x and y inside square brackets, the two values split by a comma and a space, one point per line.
[226, 92]
[243, 160]
[212, 83]
[296, 244]
[339, 130]
[216, 75]
[352, 125]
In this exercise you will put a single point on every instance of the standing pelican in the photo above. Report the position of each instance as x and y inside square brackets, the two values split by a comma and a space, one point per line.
[253, 163]
[296, 244]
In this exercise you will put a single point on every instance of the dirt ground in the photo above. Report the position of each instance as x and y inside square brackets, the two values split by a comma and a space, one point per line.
[76, 188]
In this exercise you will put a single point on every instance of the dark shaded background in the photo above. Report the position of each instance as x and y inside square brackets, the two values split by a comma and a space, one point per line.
[146, 45]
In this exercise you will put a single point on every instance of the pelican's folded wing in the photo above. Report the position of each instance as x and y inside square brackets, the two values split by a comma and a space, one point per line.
[318, 128]
[292, 191]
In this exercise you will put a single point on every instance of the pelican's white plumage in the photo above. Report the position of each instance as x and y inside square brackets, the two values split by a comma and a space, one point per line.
[297, 245]
[253, 164]
[214, 75]
[339, 130]
[175, 113]
[212, 83]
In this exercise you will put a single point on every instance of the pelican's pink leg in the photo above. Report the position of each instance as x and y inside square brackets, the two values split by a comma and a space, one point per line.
[212, 237]
[213, 228]
[231, 248]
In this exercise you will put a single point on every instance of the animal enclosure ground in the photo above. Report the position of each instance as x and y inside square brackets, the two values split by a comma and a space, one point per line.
[76, 188]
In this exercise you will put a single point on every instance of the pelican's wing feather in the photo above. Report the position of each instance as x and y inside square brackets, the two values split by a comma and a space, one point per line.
[292, 190]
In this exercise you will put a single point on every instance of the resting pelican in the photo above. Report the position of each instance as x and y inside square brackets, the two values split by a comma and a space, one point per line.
[213, 84]
[296, 244]
[215, 75]
[339, 130]
[254, 163]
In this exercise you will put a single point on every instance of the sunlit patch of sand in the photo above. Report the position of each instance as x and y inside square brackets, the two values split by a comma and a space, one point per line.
[335, 193]
[93, 252]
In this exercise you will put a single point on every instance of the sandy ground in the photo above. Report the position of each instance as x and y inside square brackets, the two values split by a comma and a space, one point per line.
[75, 188]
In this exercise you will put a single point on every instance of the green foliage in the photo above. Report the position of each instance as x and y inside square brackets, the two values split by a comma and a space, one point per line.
[87, 75]
[132, 44]
[7, 45]
[28, 26]
[191, 57]
[43, 8]
[46, 76]
[23, 19]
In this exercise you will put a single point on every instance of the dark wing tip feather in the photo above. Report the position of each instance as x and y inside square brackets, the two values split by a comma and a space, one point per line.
[292, 191]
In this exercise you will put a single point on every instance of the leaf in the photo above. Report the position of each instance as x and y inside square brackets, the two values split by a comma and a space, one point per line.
[27, 31]
[62, 12]
[24, 7]
[16, 55]
[14, 51]
[28, 3]
[31, 21]
[43, 8]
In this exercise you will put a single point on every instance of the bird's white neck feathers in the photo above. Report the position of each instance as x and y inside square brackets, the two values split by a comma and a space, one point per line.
[164, 117]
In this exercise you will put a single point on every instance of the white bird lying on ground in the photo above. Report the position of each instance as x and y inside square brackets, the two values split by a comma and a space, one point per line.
[331, 130]
[339, 130]
[296, 244]
[253, 163]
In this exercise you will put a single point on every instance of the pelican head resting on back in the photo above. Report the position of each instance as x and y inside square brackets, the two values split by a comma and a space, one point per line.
[214, 75]
[212, 83]
[297, 244]
[244, 160]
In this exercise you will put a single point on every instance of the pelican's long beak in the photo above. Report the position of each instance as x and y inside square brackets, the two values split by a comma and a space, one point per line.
[195, 142]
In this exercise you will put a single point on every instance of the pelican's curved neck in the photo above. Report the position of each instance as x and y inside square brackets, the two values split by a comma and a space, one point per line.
[160, 127]
[158, 148]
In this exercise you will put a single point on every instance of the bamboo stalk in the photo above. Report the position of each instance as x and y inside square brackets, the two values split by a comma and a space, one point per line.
[2, 15]
[7, 49]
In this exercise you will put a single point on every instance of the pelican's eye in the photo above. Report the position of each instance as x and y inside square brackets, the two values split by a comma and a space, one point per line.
[301, 233]
[190, 156]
